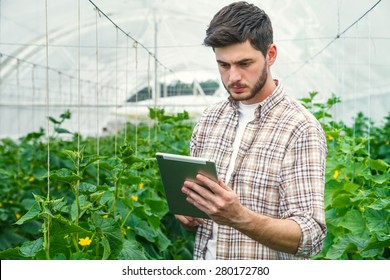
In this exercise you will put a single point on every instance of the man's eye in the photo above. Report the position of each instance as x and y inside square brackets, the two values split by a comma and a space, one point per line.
[245, 64]
[223, 65]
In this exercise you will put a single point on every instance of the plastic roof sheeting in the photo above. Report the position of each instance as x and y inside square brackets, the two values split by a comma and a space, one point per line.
[58, 55]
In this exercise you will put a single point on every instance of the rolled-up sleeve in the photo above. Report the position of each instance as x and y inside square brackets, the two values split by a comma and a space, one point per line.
[302, 192]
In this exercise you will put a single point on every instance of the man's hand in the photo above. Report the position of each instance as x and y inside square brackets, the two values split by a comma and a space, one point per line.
[189, 223]
[217, 200]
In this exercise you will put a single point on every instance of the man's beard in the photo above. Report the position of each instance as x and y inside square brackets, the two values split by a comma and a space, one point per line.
[255, 90]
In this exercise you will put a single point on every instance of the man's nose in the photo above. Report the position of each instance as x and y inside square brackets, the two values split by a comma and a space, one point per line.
[234, 74]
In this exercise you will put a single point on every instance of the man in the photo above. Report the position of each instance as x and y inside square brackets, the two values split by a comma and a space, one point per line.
[269, 150]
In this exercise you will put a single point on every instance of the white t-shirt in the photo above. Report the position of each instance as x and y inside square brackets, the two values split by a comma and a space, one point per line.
[246, 113]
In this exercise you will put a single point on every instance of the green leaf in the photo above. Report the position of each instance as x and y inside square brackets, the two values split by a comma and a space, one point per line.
[351, 187]
[80, 256]
[380, 204]
[87, 188]
[32, 213]
[132, 250]
[62, 130]
[378, 241]
[11, 254]
[163, 241]
[53, 120]
[377, 220]
[106, 248]
[158, 206]
[87, 161]
[145, 230]
[62, 226]
[380, 179]
[65, 175]
[66, 115]
[112, 231]
[355, 222]
[59, 256]
[378, 165]
[30, 248]
[342, 200]
[341, 246]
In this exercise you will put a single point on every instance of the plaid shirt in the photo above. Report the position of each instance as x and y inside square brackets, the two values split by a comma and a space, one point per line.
[279, 172]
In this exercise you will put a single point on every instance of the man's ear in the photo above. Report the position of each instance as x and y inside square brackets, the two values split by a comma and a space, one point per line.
[272, 53]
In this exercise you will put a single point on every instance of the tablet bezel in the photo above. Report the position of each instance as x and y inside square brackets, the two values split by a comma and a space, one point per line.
[174, 170]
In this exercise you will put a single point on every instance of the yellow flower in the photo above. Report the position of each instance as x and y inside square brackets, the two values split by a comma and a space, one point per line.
[336, 174]
[85, 241]
[1, 204]
[135, 198]
[330, 137]
[31, 179]
[123, 231]
[105, 216]
[17, 215]
[141, 186]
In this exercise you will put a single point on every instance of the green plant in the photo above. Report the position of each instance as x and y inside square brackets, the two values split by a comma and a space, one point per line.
[357, 192]
[102, 197]
[94, 206]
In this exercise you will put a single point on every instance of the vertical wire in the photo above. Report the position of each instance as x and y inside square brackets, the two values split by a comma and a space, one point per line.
[78, 85]
[18, 97]
[48, 128]
[70, 99]
[47, 101]
[150, 100]
[355, 89]
[135, 45]
[33, 95]
[59, 87]
[97, 99]
[126, 87]
[369, 94]
[116, 94]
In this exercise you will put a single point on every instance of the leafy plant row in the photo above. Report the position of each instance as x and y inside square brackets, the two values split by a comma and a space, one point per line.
[94, 203]
[88, 198]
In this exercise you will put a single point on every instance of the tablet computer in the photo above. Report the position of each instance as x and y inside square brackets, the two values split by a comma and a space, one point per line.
[174, 170]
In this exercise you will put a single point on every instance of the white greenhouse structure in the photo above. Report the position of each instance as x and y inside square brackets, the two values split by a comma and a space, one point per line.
[93, 93]
[90, 57]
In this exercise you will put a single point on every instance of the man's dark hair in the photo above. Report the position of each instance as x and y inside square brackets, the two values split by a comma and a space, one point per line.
[238, 22]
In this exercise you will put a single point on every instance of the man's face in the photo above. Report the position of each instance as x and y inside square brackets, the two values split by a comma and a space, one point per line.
[243, 71]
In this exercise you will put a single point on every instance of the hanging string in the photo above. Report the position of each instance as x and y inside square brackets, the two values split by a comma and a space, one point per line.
[60, 94]
[355, 89]
[116, 93]
[18, 97]
[47, 243]
[78, 84]
[33, 95]
[126, 86]
[149, 98]
[135, 46]
[369, 96]
[97, 99]
[47, 101]
[70, 99]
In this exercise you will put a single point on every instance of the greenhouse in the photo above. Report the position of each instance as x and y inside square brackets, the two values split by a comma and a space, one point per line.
[91, 90]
